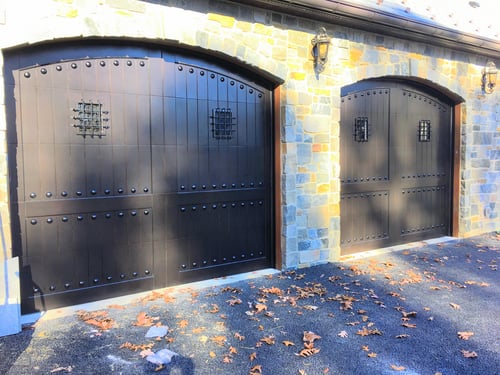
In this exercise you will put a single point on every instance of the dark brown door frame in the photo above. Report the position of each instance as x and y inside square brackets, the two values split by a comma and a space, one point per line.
[455, 188]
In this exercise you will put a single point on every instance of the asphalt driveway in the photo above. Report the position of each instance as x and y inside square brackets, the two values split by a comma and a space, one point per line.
[432, 308]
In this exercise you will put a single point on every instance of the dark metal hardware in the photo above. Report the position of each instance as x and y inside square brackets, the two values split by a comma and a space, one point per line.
[361, 129]
[222, 123]
[90, 120]
[424, 131]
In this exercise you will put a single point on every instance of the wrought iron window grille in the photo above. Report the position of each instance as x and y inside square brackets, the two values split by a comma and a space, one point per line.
[90, 120]
[361, 129]
[222, 122]
[424, 131]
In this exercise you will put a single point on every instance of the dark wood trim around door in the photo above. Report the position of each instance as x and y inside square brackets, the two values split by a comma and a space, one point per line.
[455, 200]
[278, 259]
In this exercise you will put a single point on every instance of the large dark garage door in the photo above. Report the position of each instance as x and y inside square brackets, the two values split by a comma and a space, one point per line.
[132, 173]
[395, 166]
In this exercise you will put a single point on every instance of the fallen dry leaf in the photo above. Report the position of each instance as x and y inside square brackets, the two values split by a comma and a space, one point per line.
[454, 305]
[366, 332]
[403, 336]
[342, 334]
[288, 343]
[117, 307]
[214, 309]
[239, 337]
[198, 330]
[99, 319]
[256, 370]
[409, 325]
[372, 355]
[398, 368]
[269, 340]
[465, 335]
[468, 354]
[146, 353]
[144, 320]
[212, 354]
[308, 352]
[252, 356]
[219, 340]
[259, 307]
[135, 347]
[310, 336]
[234, 301]
[410, 314]
[58, 369]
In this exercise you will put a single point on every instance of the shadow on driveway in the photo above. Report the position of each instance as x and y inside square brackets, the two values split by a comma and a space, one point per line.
[431, 309]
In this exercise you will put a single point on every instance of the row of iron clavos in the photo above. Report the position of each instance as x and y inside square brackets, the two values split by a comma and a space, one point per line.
[79, 193]
[223, 205]
[88, 64]
[222, 79]
[234, 258]
[429, 227]
[95, 280]
[107, 215]
[223, 186]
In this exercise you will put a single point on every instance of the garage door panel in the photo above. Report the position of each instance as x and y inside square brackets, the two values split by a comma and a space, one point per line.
[137, 169]
[406, 153]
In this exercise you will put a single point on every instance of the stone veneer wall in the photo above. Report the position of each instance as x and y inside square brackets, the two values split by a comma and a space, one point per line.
[310, 106]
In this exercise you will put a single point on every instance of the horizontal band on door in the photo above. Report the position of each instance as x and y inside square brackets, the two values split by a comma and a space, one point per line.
[219, 195]
[66, 207]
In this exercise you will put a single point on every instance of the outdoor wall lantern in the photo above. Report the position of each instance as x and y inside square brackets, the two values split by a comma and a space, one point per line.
[321, 43]
[489, 77]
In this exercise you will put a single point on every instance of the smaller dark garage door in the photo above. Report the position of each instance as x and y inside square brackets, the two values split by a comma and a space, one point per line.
[396, 149]
[130, 173]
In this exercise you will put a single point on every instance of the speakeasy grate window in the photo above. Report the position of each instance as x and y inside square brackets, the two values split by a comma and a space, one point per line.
[89, 119]
[424, 131]
[223, 125]
[361, 129]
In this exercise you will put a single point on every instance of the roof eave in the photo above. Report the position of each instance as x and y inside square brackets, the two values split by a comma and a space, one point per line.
[377, 21]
